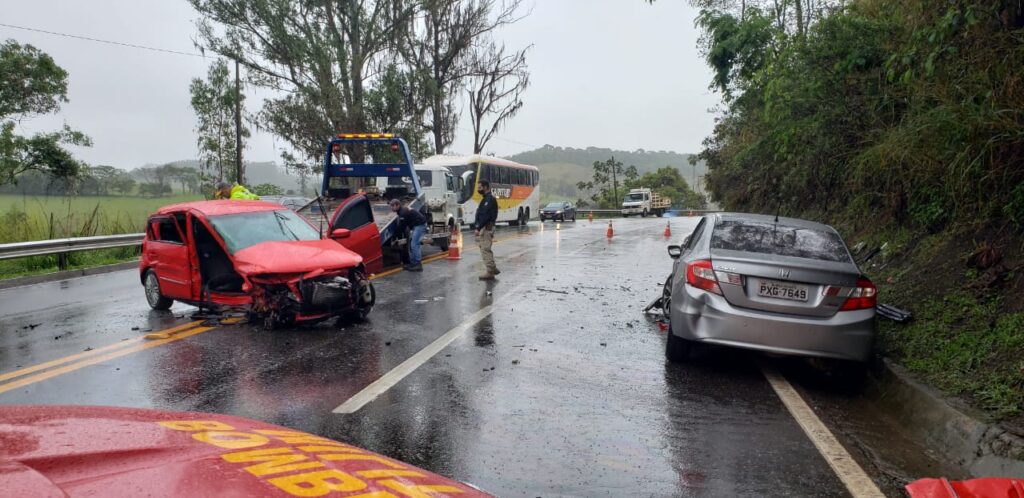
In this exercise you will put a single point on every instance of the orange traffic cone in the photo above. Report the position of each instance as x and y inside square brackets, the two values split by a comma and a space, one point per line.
[611, 232]
[455, 246]
[668, 229]
[590, 217]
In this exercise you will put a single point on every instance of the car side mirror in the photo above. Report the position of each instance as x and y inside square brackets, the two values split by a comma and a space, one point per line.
[675, 251]
[341, 233]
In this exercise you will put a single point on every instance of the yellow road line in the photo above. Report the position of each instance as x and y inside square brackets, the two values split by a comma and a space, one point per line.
[140, 346]
[85, 354]
[400, 269]
[852, 475]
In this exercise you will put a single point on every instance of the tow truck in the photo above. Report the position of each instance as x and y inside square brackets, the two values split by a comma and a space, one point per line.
[362, 173]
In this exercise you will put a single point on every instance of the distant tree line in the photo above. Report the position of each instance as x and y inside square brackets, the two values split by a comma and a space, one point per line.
[611, 181]
[644, 160]
[150, 181]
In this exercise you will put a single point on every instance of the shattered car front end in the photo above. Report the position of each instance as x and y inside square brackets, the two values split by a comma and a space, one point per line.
[287, 298]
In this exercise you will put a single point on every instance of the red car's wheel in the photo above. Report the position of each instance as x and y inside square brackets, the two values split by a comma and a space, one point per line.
[154, 297]
[366, 297]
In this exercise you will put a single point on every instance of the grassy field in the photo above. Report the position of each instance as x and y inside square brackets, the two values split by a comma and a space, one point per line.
[24, 218]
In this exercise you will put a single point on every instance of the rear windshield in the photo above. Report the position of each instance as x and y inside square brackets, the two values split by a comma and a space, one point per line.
[248, 229]
[770, 238]
[554, 205]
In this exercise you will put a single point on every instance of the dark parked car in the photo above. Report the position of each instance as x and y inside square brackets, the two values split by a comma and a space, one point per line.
[560, 211]
[780, 285]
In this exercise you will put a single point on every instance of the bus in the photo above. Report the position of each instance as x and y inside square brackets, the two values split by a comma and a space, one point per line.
[515, 186]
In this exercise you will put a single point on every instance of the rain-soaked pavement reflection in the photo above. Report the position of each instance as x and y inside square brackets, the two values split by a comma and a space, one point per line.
[561, 391]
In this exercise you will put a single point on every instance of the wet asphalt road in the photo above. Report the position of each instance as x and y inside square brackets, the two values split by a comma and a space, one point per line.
[562, 390]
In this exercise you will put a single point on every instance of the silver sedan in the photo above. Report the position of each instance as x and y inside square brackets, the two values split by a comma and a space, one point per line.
[780, 285]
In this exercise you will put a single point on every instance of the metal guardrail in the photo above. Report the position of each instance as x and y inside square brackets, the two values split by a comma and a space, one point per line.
[618, 211]
[599, 211]
[61, 247]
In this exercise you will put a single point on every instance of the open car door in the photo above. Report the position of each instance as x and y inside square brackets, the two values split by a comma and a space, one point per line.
[168, 251]
[362, 237]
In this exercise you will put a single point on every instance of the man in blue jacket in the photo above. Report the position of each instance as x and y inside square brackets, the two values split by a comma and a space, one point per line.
[417, 225]
[486, 217]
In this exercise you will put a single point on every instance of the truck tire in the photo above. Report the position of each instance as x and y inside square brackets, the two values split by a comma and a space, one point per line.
[444, 243]
[644, 214]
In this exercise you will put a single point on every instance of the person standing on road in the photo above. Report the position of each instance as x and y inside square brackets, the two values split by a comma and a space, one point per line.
[234, 192]
[486, 217]
[417, 224]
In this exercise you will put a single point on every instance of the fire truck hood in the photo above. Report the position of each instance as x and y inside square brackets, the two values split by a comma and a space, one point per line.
[104, 451]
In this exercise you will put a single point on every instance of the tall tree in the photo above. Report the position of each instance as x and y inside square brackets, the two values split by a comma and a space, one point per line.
[438, 47]
[608, 176]
[213, 100]
[495, 91]
[317, 52]
[32, 84]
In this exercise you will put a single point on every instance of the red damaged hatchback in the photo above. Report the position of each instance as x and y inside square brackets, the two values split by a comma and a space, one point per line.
[254, 256]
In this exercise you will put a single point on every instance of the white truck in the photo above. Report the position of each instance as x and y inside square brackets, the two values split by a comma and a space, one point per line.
[642, 201]
[441, 197]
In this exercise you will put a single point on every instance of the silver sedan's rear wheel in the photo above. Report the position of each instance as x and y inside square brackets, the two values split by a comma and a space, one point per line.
[154, 297]
[677, 349]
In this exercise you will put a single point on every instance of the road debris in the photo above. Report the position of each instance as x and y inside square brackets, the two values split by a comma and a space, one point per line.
[893, 313]
[553, 291]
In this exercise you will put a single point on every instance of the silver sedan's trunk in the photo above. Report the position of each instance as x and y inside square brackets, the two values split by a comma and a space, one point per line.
[781, 284]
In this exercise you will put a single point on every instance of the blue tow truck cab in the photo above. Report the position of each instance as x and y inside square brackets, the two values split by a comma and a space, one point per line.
[368, 170]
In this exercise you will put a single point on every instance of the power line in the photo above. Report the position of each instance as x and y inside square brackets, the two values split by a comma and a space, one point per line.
[504, 139]
[109, 42]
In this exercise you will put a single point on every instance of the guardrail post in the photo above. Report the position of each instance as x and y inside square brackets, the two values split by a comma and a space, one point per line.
[62, 261]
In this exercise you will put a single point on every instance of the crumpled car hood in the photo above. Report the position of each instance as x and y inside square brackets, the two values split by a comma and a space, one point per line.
[299, 256]
[65, 451]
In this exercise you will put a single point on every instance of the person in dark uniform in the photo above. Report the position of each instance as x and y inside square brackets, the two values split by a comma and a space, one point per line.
[417, 224]
[486, 216]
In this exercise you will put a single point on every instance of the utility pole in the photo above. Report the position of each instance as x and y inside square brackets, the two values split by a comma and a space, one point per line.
[615, 181]
[240, 171]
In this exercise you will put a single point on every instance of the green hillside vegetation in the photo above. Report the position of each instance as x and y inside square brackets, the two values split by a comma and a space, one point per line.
[902, 123]
[563, 167]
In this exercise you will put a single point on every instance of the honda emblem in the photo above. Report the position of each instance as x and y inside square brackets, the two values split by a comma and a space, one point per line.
[784, 273]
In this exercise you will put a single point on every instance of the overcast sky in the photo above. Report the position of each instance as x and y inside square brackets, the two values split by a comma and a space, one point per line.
[608, 73]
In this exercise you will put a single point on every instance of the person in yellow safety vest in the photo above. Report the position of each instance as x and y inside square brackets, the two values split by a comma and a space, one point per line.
[234, 192]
